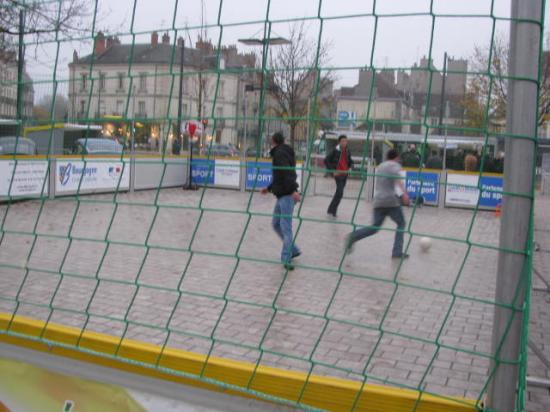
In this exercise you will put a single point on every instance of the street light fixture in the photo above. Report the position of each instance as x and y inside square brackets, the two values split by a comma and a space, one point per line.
[272, 41]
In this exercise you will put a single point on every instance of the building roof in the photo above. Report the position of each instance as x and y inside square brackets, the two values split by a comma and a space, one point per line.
[157, 54]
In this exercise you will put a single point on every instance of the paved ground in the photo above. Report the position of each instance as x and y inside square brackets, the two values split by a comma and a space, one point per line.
[538, 399]
[255, 301]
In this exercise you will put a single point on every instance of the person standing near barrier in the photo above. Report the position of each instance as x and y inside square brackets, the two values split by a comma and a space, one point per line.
[339, 162]
[285, 187]
[386, 203]
[470, 162]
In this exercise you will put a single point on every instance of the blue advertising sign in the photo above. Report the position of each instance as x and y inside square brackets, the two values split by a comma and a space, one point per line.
[258, 174]
[203, 171]
[346, 118]
[491, 191]
[423, 183]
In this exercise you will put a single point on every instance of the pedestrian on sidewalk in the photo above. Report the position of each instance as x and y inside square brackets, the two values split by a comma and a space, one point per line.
[386, 203]
[285, 188]
[339, 162]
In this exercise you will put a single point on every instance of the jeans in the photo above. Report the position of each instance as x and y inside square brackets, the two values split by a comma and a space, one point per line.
[380, 213]
[340, 184]
[282, 224]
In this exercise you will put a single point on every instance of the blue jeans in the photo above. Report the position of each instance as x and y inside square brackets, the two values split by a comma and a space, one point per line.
[282, 224]
[380, 213]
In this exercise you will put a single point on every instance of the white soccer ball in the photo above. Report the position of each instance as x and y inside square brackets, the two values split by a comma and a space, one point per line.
[425, 244]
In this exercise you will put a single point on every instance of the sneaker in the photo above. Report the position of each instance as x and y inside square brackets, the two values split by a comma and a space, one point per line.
[401, 256]
[288, 266]
[332, 215]
[296, 254]
[348, 245]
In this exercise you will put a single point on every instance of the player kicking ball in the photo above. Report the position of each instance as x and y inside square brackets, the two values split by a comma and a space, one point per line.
[386, 203]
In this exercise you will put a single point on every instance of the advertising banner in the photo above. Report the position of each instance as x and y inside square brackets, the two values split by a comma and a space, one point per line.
[456, 194]
[93, 175]
[28, 179]
[259, 174]
[227, 173]
[425, 184]
[203, 171]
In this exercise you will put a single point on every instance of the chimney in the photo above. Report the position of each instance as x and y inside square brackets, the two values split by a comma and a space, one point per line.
[75, 56]
[165, 38]
[110, 41]
[99, 44]
[154, 38]
[204, 45]
[180, 41]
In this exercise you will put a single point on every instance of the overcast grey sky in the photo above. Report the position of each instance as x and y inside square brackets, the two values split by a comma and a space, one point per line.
[400, 41]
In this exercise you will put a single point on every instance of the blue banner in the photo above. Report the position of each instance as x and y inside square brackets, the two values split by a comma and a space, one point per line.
[258, 174]
[425, 184]
[493, 197]
[203, 171]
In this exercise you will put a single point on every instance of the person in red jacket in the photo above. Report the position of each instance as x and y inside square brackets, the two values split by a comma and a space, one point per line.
[339, 162]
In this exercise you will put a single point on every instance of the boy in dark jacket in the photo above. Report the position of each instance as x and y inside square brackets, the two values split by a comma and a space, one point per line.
[339, 162]
[285, 188]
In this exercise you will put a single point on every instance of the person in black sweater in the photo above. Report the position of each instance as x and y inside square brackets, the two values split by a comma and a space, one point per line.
[285, 188]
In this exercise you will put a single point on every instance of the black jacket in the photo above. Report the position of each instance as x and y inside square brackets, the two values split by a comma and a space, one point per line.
[332, 159]
[284, 179]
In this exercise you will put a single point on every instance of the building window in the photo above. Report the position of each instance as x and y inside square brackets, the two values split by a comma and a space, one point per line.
[220, 122]
[184, 110]
[143, 81]
[141, 109]
[82, 107]
[82, 81]
[119, 107]
[101, 108]
[186, 85]
[222, 89]
[102, 81]
[120, 81]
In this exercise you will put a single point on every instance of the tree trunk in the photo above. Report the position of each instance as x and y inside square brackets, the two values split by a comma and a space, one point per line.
[292, 133]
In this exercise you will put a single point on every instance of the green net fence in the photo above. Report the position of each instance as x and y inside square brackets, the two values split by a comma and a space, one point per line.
[110, 109]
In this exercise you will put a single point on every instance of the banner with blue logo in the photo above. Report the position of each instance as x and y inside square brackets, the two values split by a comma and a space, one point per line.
[92, 175]
[491, 191]
[203, 171]
[425, 184]
[258, 174]
[462, 190]
[216, 172]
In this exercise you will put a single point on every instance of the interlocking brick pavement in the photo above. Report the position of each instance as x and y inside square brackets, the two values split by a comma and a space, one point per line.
[144, 275]
[538, 399]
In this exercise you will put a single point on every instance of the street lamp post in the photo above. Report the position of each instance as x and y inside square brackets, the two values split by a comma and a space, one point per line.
[442, 108]
[272, 41]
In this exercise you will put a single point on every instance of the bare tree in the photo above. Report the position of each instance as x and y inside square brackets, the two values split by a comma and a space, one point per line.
[490, 92]
[294, 76]
[44, 18]
[42, 109]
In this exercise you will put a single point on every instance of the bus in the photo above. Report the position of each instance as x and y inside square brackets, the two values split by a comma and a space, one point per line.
[450, 149]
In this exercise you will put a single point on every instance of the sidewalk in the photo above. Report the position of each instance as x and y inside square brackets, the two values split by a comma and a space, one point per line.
[538, 399]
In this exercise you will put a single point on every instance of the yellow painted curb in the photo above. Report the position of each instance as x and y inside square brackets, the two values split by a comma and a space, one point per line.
[141, 358]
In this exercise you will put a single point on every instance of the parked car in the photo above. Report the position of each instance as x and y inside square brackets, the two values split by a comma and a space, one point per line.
[12, 145]
[253, 152]
[97, 146]
[217, 149]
